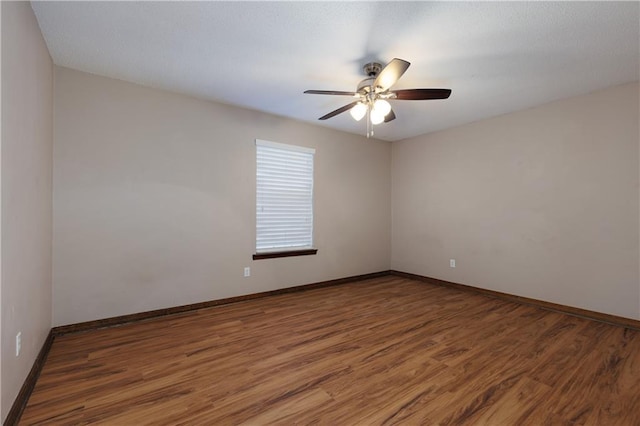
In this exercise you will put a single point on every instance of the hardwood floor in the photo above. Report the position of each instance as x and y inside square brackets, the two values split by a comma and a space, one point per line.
[383, 351]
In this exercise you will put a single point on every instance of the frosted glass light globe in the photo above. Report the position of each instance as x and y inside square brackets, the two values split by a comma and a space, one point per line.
[358, 111]
[381, 106]
[376, 117]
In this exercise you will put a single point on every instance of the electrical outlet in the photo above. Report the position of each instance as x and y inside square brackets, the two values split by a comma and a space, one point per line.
[18, 343]
[247, 271]
[452, 263]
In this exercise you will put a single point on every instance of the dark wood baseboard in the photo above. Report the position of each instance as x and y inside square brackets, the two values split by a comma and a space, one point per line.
[141, 316]
[569, 310]
[29, 383]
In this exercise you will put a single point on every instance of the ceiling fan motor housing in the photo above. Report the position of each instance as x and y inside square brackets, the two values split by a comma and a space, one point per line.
[372, 69]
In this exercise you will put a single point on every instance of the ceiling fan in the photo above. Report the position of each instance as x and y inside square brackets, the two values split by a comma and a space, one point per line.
[373, 94]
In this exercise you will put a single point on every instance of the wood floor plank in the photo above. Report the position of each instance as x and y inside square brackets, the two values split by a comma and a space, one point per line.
[388, 350]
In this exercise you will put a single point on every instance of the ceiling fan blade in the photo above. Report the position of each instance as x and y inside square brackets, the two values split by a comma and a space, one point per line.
[339, 111]
[329, 92]
[390, 117]
[391, 73]
[421, 94]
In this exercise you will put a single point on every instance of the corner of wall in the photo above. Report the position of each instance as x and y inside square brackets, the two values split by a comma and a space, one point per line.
[26, 177]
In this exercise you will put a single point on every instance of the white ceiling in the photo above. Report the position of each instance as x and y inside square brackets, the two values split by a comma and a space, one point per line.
[497, 57]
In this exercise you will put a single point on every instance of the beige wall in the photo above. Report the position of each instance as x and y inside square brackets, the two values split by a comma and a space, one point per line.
[27, 135]
[541, 203]
[154, 200]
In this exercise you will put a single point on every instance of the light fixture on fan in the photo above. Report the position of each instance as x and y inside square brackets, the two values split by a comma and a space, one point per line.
[377, 110]
[373, 92]
[359, 110]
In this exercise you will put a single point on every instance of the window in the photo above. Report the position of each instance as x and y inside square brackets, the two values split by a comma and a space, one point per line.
[284, 200]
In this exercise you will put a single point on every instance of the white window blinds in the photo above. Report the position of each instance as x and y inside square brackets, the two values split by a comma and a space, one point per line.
[284, 197]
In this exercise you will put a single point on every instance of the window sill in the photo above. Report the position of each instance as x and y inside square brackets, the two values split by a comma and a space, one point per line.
[287, 253]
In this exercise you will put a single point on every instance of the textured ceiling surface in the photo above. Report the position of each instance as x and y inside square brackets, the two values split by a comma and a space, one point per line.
[497, 57]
